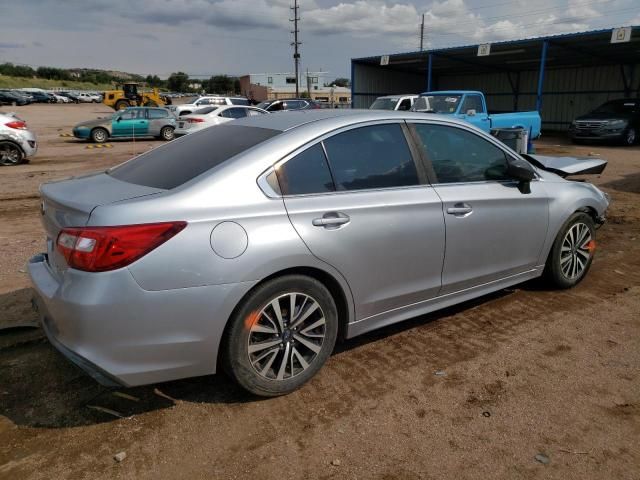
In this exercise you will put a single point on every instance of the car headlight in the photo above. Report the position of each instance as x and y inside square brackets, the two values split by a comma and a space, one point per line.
[617, 123]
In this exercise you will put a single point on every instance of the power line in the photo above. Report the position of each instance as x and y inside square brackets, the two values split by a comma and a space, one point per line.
[422, 34]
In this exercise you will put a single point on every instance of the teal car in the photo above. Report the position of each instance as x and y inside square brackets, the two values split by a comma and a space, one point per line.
[130, 123]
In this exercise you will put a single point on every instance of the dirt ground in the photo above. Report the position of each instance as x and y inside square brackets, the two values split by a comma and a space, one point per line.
[472, 392]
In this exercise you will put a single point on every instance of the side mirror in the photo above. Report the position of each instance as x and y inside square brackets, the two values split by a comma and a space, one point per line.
[471, 112]
[118, 119]
[520, 170]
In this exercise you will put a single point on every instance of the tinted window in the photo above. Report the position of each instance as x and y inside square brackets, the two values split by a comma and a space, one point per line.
[178, 162]
[307, 172]
[240, 101]
[405, 104]
[371, 157]
[275, 106]
[461, 156]
[205, 110]
[234, 113]
[295, 104]
[157, 113]
[472, 102]
[132, 114]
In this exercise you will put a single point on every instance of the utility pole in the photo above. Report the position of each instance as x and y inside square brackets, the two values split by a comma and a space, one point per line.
[422, 33]
[296, 43]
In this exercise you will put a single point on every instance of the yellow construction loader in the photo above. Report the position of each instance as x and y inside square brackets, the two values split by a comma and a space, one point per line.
[129, 95]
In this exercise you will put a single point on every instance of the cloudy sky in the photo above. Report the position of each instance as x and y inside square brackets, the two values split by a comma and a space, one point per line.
[205, 37]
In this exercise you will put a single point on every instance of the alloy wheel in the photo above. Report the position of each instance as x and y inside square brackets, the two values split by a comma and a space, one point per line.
[9, 154]
[576, 250]
[286, 336]
[631, 136]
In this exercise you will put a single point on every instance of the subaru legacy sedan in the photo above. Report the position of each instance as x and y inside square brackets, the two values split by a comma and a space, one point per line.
[254, 245]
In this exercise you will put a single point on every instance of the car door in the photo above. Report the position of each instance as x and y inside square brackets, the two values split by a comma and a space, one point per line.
[493, 229]
[474, 112]
[131, 123]
[360, 204]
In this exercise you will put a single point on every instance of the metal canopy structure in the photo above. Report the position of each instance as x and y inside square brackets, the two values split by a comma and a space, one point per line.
[585, 66]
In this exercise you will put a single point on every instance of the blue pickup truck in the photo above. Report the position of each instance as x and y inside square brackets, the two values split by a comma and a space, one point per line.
[472, 107]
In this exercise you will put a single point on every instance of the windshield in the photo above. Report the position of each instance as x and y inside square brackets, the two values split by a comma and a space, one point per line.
[205, 110]
[618, 106]
[442, 103]
[384, 104]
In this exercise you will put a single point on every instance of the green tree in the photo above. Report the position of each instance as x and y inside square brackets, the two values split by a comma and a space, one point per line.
[178, 82]
[341, 82]
[219, 84]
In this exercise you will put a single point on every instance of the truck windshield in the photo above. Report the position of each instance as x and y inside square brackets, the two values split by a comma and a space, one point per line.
[442, 103]
[384, 104]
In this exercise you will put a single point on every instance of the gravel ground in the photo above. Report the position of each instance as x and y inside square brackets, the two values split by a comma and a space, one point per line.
[526, 383]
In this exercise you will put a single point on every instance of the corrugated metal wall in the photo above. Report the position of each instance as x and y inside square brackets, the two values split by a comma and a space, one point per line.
[567, 93]
[375, 81]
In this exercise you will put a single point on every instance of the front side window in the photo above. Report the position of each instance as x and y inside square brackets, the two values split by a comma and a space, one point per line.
[306, 173]
[405, 104]
[376, 156]
[458, 155]
[472, 102]
[275, 107]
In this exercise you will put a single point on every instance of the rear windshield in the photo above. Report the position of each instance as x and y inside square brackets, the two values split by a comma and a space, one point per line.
[178, 162]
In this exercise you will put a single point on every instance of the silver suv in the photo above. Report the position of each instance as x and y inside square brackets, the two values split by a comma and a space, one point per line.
[187, 108]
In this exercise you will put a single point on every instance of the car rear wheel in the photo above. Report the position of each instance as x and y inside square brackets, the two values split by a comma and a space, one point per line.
[630, 136]
[10, 154]
[99, 135]
[167, 133]
[281, 335]
[572, 251]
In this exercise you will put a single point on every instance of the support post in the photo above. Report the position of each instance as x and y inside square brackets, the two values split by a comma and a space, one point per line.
[543, 61]
[353, 81]
[429, 72]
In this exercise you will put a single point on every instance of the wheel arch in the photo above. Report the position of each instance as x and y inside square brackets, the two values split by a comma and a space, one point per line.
[344, 305]
[16, 144]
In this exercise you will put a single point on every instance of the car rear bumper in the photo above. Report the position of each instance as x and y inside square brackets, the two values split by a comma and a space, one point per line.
[121, 334]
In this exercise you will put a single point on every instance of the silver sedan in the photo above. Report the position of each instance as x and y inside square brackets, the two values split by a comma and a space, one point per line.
[254, 245]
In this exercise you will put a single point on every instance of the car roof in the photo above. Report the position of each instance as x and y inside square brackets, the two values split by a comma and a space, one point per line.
[400, 95]
[287, 120]
[451, 92]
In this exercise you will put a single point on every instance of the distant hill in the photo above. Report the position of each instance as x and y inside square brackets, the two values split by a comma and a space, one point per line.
[24, 82]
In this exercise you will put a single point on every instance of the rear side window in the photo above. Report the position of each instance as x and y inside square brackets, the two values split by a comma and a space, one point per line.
[157, 113]
[240, 101]
[178, 162]
[371, 157]
[234, 113]
[306, 173]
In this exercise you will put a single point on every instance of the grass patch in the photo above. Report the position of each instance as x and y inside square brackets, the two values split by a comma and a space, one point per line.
[22, 82]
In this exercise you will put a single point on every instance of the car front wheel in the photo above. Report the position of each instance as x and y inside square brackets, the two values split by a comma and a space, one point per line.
[630, 136]
[281, 335]
[99, 135]
[167, 133]
[572, 251]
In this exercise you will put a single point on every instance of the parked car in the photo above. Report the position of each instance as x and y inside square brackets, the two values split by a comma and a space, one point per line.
[42, 97]
[130, 123]
[288, 104]
[86, 97]
[471, 107]
[17, 142]
[210, 116]
[10, 98]
[73, 98]
[615, 120]
[250, 245]
[394, 102]
[201, 102]
[59, 98]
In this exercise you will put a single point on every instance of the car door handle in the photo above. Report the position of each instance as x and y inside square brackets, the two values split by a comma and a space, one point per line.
[460, 210]
[329, 220]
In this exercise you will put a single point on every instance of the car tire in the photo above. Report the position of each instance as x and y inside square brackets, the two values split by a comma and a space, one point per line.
[267, 351]
[122, 104]
[630, 136]
[99, 135]
[10, 154]
[572, 252]
[166, 133]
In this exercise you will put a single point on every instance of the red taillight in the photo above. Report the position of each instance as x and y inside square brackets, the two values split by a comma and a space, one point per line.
[195, 120]
[17, 124]
[99, 249]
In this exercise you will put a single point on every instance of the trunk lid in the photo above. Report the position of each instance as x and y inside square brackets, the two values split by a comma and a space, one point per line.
[565, 166]
[69, 203]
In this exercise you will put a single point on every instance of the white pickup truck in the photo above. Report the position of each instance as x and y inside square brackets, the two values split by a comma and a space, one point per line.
[394, 102]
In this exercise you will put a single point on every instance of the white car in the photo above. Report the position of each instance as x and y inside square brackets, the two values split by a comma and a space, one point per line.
[188, 108]
[85, 97]
[17, 143]
[394, 102]
[59, 98]
[213, 115]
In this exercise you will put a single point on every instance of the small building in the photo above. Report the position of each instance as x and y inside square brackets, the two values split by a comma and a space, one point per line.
[561, 76]
[272, 86]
